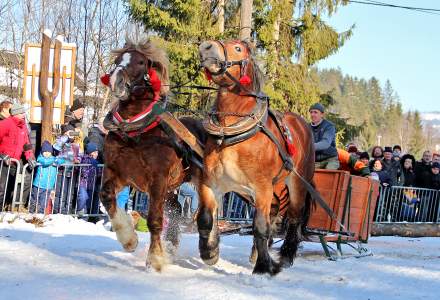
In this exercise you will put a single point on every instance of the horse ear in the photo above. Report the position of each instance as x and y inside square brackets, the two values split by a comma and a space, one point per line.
[250, 45]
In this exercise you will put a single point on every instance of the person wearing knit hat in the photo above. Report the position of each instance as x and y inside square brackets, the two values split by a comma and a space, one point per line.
[324, 136]
[88, 200]
[92, 150]
[44, 179]
[46, 147]
[364, 157]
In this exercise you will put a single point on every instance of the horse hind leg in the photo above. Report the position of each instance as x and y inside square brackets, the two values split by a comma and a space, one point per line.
[297, 209]
[207, 225]
[122, 224]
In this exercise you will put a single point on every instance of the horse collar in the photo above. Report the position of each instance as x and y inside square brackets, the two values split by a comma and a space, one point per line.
[247, 122]
[136, 125]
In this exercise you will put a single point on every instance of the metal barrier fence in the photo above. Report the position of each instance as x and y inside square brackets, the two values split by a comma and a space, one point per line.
[9, 184]
[398, 204]
[64, 188]
[74, 189]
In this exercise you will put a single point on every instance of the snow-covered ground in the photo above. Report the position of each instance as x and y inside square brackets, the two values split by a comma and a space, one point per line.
[73, 259]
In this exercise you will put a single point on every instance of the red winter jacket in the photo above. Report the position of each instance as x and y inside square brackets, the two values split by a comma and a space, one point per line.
[14, 138]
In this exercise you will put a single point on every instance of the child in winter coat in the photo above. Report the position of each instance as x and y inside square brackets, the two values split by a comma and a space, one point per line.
[44, 179]
[88, 200]
[66, 148]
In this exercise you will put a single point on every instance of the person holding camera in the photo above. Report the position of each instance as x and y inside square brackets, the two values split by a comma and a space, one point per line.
[14, 143]
[65, 148]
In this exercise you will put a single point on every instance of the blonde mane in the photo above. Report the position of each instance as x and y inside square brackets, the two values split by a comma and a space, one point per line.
[157, 57]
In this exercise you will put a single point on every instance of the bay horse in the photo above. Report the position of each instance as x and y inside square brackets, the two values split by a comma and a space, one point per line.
[140, 150]
[252, 150]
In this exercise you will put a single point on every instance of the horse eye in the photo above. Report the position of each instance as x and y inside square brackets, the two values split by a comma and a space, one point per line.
[238, 49]
[141, 62]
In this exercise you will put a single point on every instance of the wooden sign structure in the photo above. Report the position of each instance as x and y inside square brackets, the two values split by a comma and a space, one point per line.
[49, 74]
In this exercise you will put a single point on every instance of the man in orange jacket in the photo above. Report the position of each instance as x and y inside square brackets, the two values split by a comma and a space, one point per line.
[349, 162]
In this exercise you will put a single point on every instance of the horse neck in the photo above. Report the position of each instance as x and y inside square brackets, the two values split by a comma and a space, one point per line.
[232, 102]
[134, 106]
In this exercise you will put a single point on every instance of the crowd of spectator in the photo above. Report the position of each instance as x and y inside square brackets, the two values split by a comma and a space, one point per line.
[394, 168]
[65, 177]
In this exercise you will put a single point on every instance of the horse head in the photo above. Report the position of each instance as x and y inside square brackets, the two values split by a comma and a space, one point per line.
[139, 69]
[231, 64]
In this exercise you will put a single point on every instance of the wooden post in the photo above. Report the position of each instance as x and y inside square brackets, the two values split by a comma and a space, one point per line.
[221, 16]
[246, 19]
[48, 97]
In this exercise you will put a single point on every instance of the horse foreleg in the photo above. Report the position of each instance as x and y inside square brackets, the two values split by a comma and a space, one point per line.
[207, 226]
[274, 217]
[156, 255]
[296, 213]
[262, 233]
[121, 221]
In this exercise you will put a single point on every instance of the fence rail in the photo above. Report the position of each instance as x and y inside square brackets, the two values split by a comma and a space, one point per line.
[398, 204]
[74, 189]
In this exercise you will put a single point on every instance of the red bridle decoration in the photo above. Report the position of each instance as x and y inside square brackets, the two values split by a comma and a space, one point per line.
[208, 75]
[245, 80]
[154, 81]
[105, 79]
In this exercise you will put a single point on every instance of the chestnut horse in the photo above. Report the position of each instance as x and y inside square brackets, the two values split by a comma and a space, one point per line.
[140, 151]
[250, 162]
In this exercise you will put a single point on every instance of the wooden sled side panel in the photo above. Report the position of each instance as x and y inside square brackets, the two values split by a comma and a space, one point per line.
[332, 185]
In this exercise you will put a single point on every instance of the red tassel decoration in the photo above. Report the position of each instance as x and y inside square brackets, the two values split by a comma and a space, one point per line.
[208, 75]
[291, 149]
[105, 79]
[245, 80]
[154, 80]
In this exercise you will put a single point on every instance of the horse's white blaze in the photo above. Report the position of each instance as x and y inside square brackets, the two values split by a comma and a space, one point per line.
[123, 227]
[126, 57]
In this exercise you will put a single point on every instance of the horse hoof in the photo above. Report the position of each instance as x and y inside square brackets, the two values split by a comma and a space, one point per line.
[156, 262]
[272, 268]
[131, 245]
[286, 262]
[210, 257]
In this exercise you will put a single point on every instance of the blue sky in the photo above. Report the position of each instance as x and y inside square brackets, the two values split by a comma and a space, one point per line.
[396, 44]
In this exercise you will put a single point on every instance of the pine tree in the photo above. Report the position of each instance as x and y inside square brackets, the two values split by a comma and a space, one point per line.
[279, 35]
[416, 144]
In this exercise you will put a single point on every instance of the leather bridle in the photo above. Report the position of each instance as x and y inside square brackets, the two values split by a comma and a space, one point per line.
[140, 84]
[226, 64]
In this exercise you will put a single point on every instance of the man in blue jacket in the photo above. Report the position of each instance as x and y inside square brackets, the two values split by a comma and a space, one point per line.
[324, 134]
